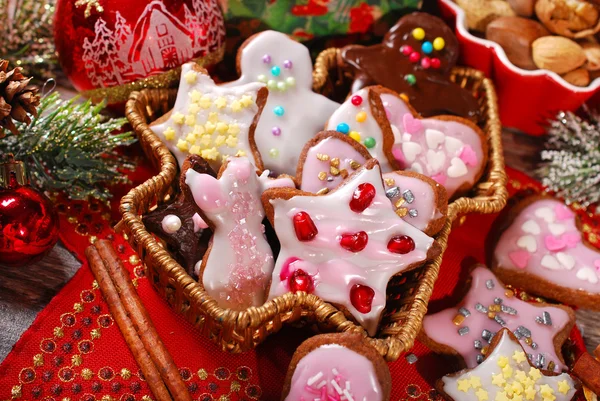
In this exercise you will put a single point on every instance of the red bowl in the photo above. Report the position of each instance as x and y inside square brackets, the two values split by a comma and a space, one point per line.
[526, 99]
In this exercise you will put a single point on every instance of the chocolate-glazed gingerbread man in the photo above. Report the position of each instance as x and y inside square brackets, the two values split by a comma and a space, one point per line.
[415, 59]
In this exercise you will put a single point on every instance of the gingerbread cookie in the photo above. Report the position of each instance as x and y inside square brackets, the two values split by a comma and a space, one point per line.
[467, 329]
[293, 112]
[331, 157]
[237, 266]
[507, 374]
[337, 367]
[414, 59]
[451, 150]
[539, 248]
[344, 246]
[212, 121]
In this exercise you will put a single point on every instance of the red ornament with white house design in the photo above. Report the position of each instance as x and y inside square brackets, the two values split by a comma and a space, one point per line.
[108, 48]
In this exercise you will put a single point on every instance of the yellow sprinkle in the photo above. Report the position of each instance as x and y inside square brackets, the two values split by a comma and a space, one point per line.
[501, 396]
[517, 397]
[198, 130]
[535, 374]
[231, 141]
[404, 97]
[190, 77]
[182, 145]
[234, 129]
[498, 380]
[213, 117]
[361, 117]
[482, 395]
[205, 102]
[527, 381]
[389, 181]
[190, 120]
[517, 387]
[220, 140]
[169, 134]
[194, 108]
[195, 150]
[178, 118]
[507, 371]
[210, 154]
[354, 135]
[221, 102]
[323, 157]
[322, 175]
[222, 127]
[236, 106]
[521, 377]
[463, 385]
[246, 101]
[191, 137]
[519, 356]
[209, 127]
[546, 390]
[475, 382]
[530, 393]
[563, 387]
[549, 397]
[502, 361]
[195, 96]
[205, 140]
[240, 153]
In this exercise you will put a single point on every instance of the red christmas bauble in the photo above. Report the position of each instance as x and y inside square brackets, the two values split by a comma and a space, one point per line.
[28, 221]
[109, 47]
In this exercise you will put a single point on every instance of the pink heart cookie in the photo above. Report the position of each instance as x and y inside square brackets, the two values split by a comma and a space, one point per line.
[564, 268]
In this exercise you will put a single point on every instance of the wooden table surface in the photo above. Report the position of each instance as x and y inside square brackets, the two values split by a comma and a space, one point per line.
[26, 291]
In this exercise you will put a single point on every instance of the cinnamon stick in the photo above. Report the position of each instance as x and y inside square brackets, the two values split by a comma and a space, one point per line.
[120, 315]
[587, 369]
[142, 322]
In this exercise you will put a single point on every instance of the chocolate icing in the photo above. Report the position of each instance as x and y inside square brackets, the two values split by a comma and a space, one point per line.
[385, 64]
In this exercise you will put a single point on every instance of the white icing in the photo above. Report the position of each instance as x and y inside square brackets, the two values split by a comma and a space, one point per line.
[171, 224]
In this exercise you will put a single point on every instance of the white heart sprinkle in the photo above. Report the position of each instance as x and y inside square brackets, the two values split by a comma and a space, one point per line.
[406, 137]
[566, 260]
[531, 227]
[587, 274]
[550, 262]
[417, 168]
[457, 168]
[435, 161]
[528, 242]
[556, 229]
[453, 145]
[434, 138]
[546, 213]
[411, 150]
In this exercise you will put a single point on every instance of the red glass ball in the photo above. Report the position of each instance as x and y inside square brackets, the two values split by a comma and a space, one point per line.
[304, 226]
[109, 43]
[301, 281]
[28, 226]
[414, 57]
[401, 244]
[363, 196]
[356, 100]
[361, 297]
[436, 63]
[354, 242]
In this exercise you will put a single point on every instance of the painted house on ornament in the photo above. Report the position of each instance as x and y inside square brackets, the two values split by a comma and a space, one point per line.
[161, 40]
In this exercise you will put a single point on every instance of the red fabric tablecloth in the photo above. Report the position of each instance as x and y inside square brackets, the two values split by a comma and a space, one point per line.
[75, 351]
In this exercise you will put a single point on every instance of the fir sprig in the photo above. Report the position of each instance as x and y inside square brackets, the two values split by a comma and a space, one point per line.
[571, 161]
[70, 146]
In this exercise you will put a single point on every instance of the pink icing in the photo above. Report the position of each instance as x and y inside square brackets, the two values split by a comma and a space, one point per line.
[468, 156]
[411, 125]
[440, 178]
[440, 327]
[333, 148]
[335, 269]
[333, 373]
[560, 257]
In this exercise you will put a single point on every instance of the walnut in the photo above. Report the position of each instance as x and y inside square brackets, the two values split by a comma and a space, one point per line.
[570, 18]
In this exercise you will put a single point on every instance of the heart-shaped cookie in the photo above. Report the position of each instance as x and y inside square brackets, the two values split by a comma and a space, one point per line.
[451, 150]
[562, 266]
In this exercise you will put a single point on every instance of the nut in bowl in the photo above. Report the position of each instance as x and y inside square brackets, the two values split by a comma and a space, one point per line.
[545, 67]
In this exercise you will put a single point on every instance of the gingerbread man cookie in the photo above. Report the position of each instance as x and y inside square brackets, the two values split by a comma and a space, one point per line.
[212, 121]
[451, 150]
[467, 329]
[344, 246]
[507, 374]
[414, 59]
[293, 112]
[237, 266]
[337, 367]
[541, 250]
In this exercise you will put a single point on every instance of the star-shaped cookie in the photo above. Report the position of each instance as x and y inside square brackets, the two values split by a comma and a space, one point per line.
[414, 59]
[467, 329]
[344, 246]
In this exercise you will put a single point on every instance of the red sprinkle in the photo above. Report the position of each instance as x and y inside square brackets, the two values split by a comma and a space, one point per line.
[406, 50]
[301, 281]
[354, 242]
[361, 297]
[356, 100]
[414, 57]
[426, 62]
[304, 226]
[436, 63]
[401, 244]
[362, 197]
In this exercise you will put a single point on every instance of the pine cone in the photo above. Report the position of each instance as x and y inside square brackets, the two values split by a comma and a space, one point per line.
[18, 99]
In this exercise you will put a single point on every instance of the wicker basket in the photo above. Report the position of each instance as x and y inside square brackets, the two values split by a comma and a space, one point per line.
[238, 331]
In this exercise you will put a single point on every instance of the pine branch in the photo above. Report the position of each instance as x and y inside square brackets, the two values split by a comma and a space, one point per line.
[70, 146]
[571, 161]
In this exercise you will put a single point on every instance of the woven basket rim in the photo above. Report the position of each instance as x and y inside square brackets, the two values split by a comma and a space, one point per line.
[398, 339]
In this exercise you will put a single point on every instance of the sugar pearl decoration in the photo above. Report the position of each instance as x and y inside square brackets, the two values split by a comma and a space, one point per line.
[276, 131]
[266, 59]
[356, 100]
[343, 128]
[439, 43]
[427, 47]
[279, 111]
[418, 33]
[262, 78]
[287, 64]
[406, 50]
[414, 57]
[272, 84]
[425, 62]
[410, 79]
[436, 63]
[290, 81]
[369, 142]
[171, 223]
[281, 86]
[275, 70]
[274, 153]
